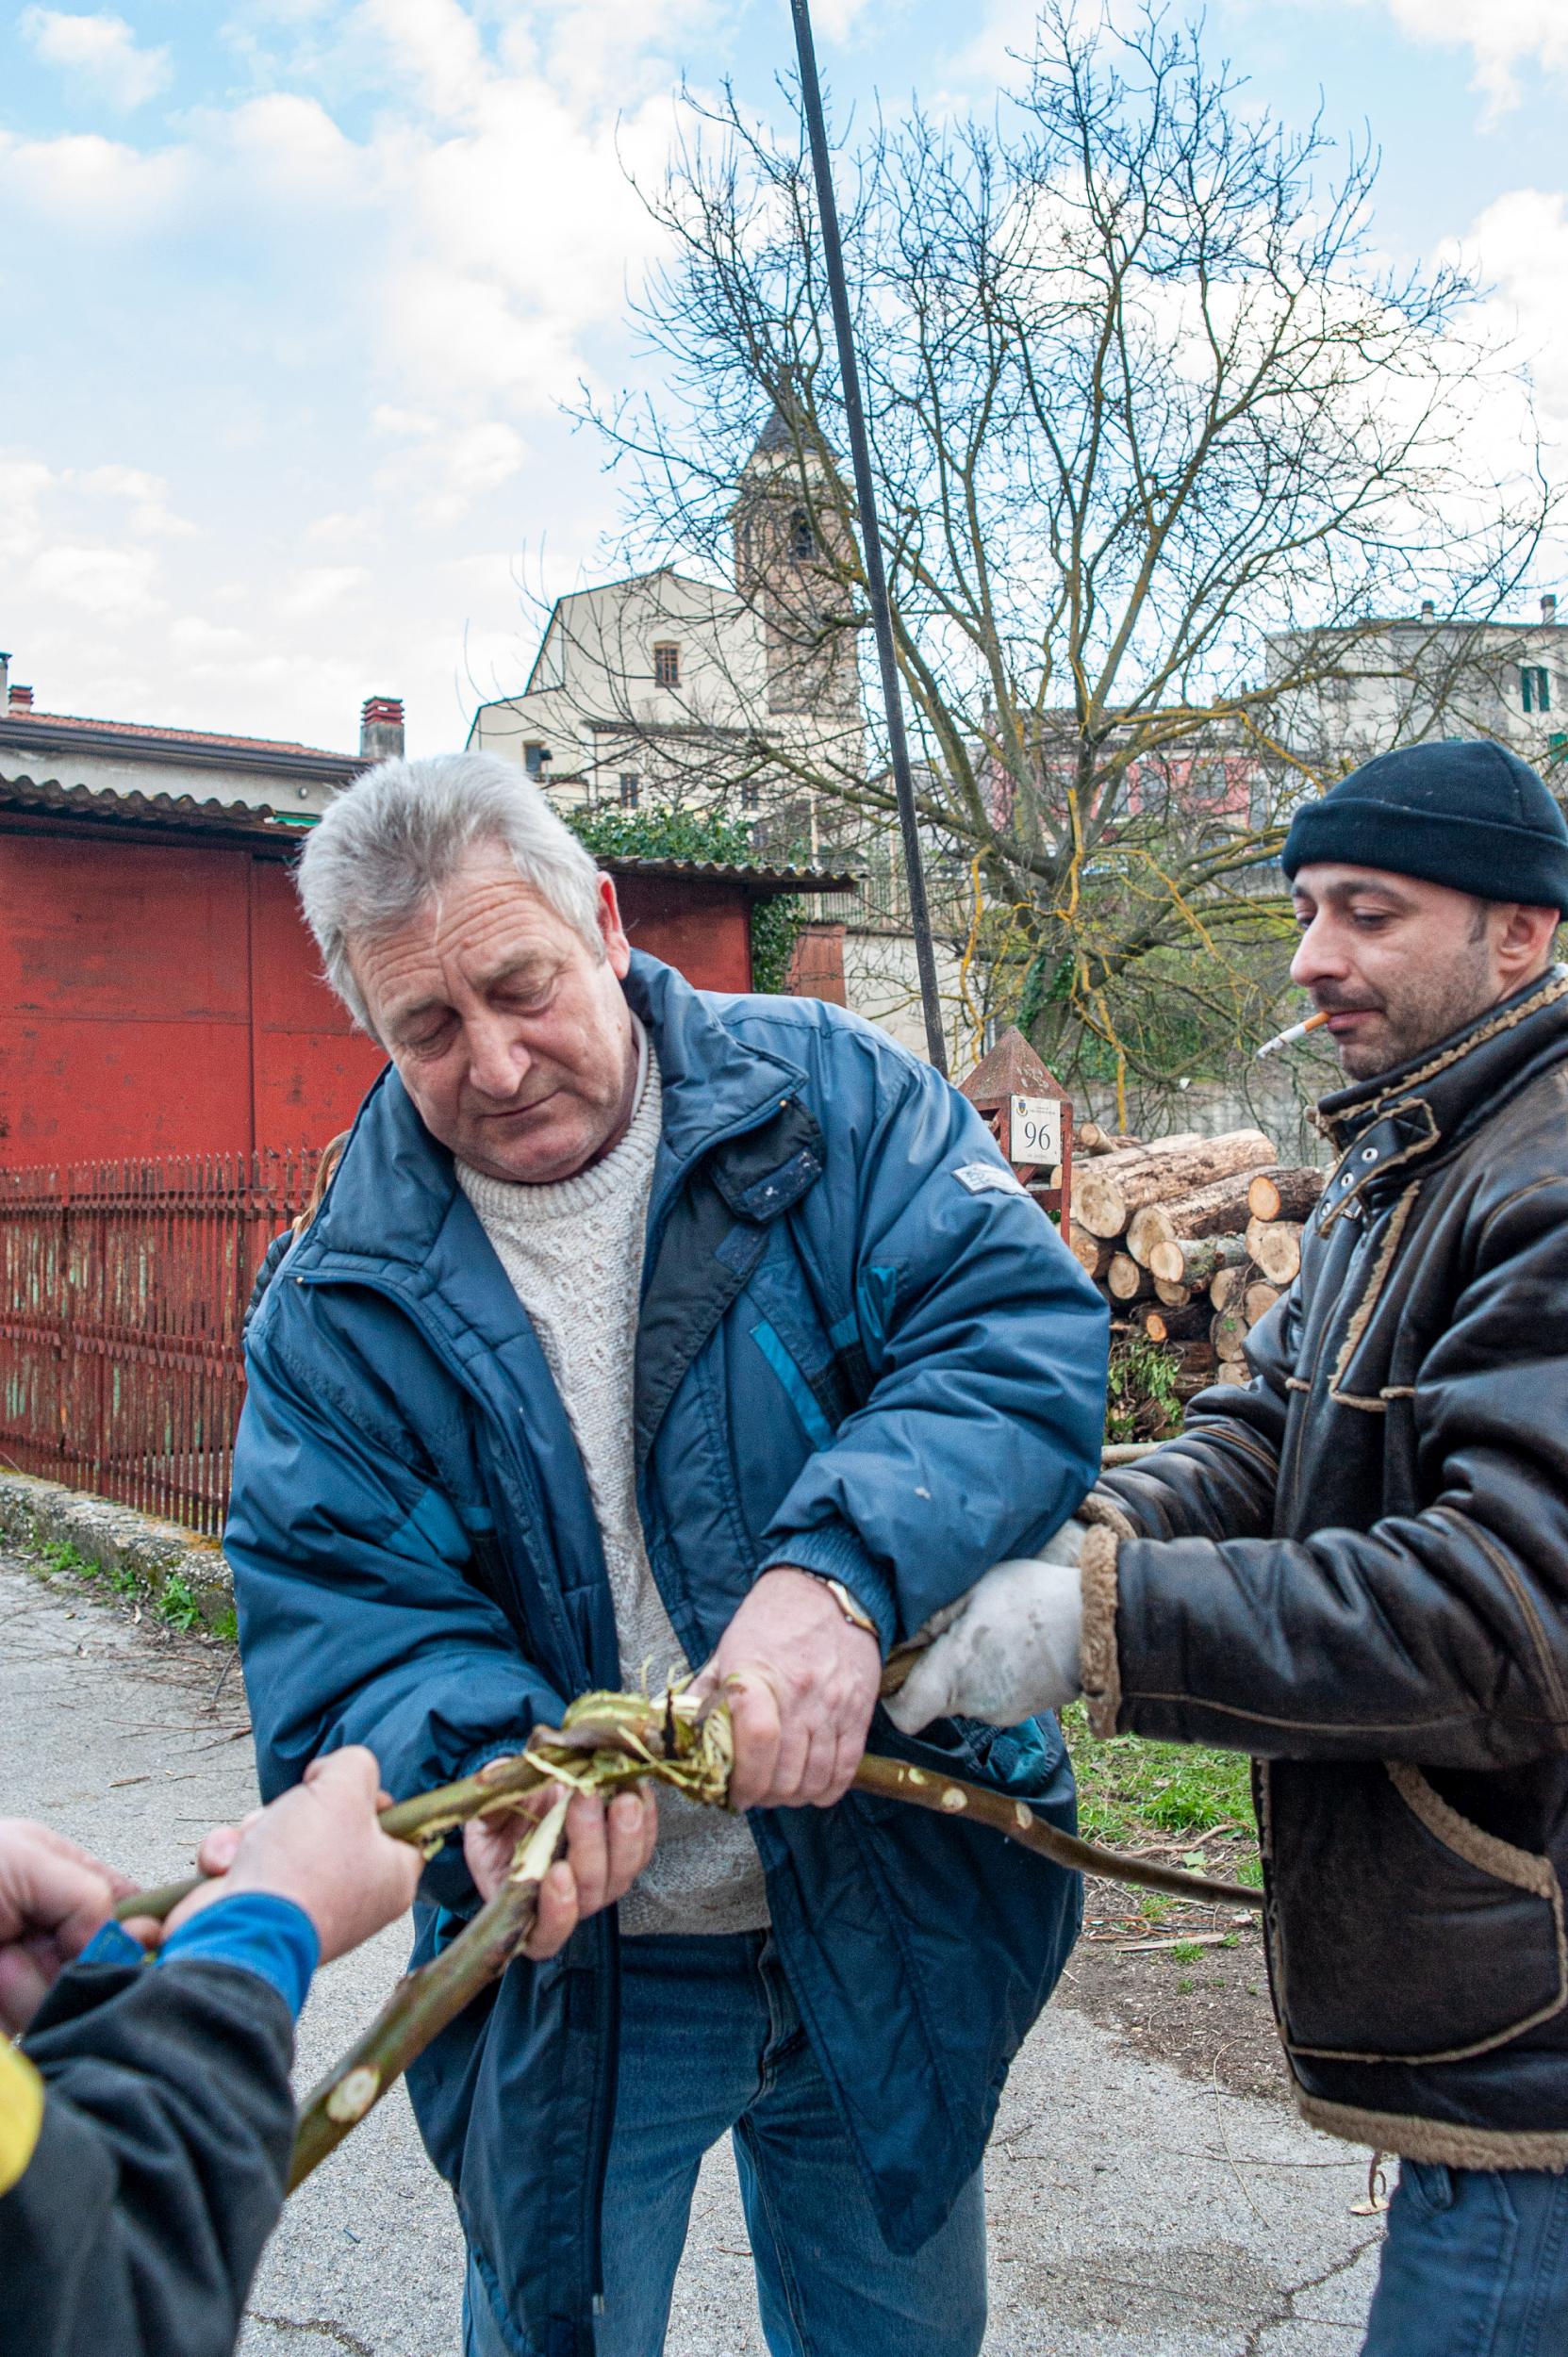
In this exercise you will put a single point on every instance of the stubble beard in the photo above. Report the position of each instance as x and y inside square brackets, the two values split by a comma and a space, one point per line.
[1431, 1009]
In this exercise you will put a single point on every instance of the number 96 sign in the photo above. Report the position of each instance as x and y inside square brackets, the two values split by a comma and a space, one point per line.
[1034, 1130]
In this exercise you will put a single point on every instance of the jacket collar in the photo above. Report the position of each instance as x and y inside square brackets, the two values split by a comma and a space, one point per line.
[396, 1189]
[1401, 1117]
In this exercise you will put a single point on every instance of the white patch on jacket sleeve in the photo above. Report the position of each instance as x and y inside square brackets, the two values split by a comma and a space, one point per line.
[985, 1179]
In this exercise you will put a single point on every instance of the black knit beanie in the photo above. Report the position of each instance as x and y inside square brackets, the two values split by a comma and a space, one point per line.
[1464, 812]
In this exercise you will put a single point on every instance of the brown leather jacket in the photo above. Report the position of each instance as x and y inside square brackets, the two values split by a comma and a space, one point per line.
[1356, 1569]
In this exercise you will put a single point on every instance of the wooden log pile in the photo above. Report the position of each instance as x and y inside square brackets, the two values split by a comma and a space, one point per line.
[1192, 1240]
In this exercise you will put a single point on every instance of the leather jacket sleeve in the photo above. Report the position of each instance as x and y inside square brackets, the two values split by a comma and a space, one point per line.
[1438, 1636]
[1218, 1480]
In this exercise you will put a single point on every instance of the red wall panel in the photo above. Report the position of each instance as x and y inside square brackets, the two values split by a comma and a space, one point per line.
[124, 1008]
[312, 1067]
[703, 928]
[162, 997]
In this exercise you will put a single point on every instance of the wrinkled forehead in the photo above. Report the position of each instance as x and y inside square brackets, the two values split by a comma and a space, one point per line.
[483, 926]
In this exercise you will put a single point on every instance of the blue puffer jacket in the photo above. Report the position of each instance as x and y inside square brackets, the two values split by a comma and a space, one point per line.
[862, 1351]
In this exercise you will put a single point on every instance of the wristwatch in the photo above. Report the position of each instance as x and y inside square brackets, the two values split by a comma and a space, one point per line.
[854, 1612]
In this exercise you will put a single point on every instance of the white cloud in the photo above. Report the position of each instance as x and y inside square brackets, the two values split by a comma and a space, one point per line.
[108, 581]
[316, 590]
[101, 52]
[1503, 35]
[92, 185]
[147, 496]
[1518, 248]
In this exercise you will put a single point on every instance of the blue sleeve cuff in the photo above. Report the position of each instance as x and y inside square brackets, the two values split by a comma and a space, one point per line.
[834, 1551]
[259, 1933]
[111, 1943]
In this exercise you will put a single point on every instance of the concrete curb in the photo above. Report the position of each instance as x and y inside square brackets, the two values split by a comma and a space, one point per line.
[130, 1546]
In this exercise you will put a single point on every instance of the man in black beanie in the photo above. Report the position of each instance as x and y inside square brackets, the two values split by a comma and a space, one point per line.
[1356, 1568]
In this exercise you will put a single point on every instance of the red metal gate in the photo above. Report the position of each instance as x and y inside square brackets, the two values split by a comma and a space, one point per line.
[122, 1286]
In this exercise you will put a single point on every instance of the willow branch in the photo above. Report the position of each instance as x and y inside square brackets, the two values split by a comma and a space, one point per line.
[421, 2005]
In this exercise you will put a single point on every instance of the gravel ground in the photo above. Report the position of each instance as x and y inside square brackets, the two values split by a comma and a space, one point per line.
[1137, 2209]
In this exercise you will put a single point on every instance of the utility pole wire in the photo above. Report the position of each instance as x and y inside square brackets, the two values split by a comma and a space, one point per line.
[870, 535]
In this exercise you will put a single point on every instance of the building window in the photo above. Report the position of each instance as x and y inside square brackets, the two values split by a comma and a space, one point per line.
[750, 798]
[1535, 686]
[666, 665]
[802, 541]
[631, 789]
[535, 759]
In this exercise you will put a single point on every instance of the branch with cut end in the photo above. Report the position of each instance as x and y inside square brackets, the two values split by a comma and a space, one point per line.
[421, 2005]
[606, 1745]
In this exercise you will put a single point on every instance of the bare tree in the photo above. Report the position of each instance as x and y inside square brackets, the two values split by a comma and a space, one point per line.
[1160, 450]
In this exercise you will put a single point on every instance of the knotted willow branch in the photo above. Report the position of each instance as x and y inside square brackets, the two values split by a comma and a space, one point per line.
[610, 1744]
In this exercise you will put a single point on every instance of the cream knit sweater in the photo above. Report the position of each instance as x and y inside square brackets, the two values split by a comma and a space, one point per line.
[573, 1252]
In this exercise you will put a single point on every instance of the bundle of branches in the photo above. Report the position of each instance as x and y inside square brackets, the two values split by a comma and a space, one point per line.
[606, 1743]
[1192, 1240]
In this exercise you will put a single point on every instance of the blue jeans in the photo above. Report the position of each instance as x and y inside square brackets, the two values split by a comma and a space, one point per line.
[711, 2043]
[1476, 2264]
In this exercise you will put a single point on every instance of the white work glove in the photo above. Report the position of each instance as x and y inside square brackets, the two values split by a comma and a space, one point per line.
[1008, 1649]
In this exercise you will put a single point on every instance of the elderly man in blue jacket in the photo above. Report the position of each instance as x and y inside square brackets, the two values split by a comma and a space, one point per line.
[646, 1332]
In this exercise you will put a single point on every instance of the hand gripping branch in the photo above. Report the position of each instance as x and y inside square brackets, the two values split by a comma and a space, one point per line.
[608, 1743]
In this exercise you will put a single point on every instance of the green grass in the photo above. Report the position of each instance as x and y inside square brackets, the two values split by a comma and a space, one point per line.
[1130, 1793]
[177, 1605]
[176, 1602]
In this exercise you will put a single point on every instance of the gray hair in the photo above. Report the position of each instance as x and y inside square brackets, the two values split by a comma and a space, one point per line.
[399, 832]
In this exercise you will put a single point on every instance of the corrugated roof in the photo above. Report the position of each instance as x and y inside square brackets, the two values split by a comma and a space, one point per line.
[49, 796]
[179, 810]
[760, 878]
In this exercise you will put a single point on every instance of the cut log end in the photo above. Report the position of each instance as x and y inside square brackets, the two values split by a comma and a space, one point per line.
[1284, 1192]
[1275, 1245]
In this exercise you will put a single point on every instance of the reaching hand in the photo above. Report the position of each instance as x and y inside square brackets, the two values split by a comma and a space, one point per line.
[1009, 1649]
[53, 1898]
[606, 1849]
[321, 1846]
[802, 1682]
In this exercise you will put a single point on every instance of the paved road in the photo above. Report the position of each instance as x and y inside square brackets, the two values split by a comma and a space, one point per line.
[1134, 2213]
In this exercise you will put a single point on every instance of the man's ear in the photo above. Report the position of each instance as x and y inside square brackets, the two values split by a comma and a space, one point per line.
[1524, 946]
[618, 950]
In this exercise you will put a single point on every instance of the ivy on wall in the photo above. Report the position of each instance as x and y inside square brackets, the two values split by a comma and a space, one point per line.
[612, 833]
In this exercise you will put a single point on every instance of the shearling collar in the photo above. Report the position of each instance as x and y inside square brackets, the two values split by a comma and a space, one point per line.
[1383, 1125]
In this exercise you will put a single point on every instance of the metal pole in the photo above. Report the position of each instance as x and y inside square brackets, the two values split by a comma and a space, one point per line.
[876, 578]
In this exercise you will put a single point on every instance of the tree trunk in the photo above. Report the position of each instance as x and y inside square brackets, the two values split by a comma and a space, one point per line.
[1125, 1280]
[1228, 1284]
[1092, 1253]
[1234, 1371]
[1174, 1296]
[1258, 1301]
[1228, 1331]
[1109, 1189]
[1160, 1325]
[1216, 1209]
[1196, 1261]
[1276, 1246]
[1287, 1192]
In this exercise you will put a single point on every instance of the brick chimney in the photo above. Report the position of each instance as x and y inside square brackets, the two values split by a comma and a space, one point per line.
[1548, 608]
[19, 702]
[1428, 611]
[5, 680]
[381, 728]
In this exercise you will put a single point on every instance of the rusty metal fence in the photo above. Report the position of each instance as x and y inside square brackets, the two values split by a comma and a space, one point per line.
[122, 1288]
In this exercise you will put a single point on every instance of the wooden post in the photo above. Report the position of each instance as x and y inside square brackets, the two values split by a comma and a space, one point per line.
[1030, 1116]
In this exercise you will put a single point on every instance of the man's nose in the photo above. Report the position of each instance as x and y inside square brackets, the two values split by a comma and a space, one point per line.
[497, 1058]
[1319, 955]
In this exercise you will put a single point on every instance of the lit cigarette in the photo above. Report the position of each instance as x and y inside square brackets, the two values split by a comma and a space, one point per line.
[1297, 1031]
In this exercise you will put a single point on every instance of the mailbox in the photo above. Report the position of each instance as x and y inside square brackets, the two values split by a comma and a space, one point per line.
[1030, 1116]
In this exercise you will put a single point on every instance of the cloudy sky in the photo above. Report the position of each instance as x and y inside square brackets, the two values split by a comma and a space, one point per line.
[294, 290]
